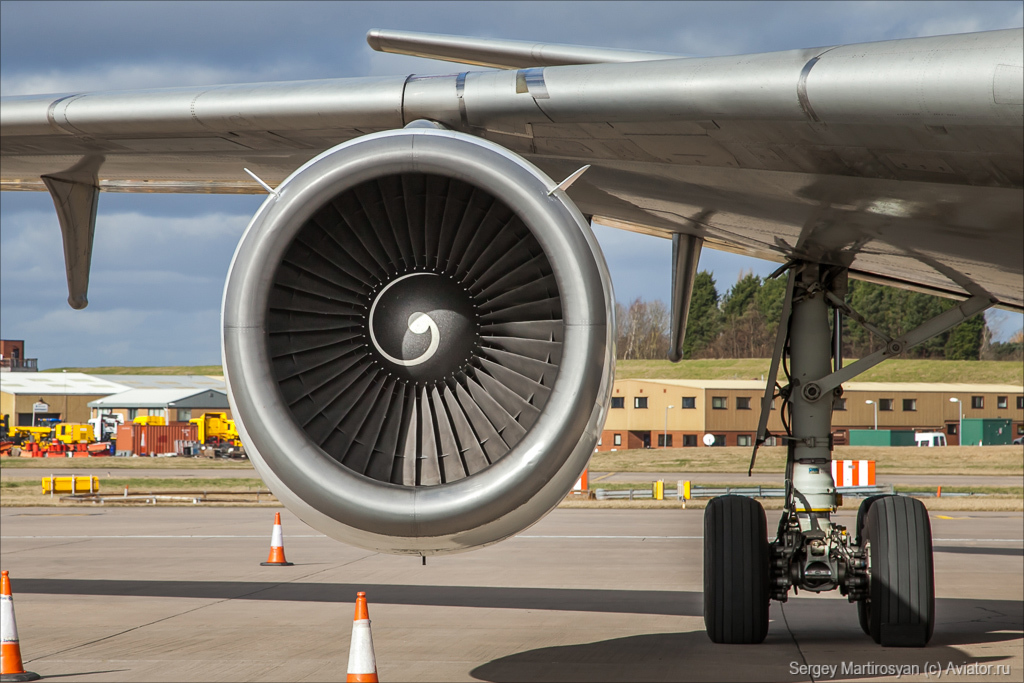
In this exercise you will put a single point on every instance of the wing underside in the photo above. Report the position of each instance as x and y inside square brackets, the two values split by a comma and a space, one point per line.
[901, 160]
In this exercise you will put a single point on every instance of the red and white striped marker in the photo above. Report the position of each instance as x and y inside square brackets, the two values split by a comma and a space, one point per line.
[853, 472]
[583, 483]
[11, 668]
[276, 557]
[362, 665]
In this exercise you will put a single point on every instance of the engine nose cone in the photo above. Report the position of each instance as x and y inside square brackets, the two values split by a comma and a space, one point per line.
[423, 326]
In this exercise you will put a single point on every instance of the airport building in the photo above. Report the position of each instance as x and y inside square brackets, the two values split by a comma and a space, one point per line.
[679, 413]
[174, 405]
[61, 396]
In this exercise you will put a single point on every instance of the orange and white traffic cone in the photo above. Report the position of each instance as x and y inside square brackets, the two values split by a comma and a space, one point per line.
[11, 668]
[276, 558]
[362, 665]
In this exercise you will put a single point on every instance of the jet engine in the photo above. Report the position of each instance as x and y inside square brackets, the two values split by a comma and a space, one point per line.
[418, 339]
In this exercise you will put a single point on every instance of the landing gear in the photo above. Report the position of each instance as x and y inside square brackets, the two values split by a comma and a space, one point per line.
[900, 607]
[887, 569]
[736, 569]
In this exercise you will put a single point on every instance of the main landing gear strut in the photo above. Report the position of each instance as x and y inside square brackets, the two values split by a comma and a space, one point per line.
[885, 564]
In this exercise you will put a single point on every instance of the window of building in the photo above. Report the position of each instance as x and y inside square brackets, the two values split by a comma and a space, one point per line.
[156, 412]
[909, 405]
[719, 439]
[719, 402]
[184, 414]
[837, 404]
[689, 440]
[639, 401]
[618, 402]
[770, 441]
[1002, 402]
[132, 413]
[951, 428]
[1020, 403]
[885, 404]
[664, 440]
[617, 440]
[743, 440]
[742, 403]
[977, 402]
[689, 402]
[1020, 429]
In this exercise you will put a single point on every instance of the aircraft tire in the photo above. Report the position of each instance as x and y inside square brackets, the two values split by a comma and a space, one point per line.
[864, 606]
[736, 570]
[902, 609]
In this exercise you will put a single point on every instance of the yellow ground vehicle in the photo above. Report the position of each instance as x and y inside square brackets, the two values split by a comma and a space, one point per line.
[75, 433]
[36, 434]
[215, 428]
[149, 420]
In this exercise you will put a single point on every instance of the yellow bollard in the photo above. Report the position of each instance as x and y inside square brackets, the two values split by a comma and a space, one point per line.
[659, 490]
[686, 490]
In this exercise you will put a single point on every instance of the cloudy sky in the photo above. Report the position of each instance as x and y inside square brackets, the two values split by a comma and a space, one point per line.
[160, 260]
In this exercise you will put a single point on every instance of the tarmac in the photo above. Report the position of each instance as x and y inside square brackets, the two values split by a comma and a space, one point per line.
[176, 594]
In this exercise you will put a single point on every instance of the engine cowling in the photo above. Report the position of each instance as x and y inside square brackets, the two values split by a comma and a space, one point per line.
[418, 342]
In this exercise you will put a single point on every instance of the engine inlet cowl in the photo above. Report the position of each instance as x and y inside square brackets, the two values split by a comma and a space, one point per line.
[417, 339]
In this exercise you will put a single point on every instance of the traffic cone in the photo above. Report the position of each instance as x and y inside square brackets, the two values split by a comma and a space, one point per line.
[276, 558]
[11, 668]
[362, 665]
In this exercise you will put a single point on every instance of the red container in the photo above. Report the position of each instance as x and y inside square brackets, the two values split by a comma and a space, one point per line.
[153, 439]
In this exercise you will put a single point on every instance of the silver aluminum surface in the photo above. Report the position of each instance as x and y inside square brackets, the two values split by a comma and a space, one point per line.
[901, 160]
[486, 507]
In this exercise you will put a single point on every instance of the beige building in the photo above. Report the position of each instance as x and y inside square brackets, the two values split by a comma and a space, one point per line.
[679, 413]
[62, 396]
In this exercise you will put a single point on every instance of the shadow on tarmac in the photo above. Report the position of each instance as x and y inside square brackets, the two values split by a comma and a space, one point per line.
[819, 632]
[970, 550]
[693, 657]
[671, 603]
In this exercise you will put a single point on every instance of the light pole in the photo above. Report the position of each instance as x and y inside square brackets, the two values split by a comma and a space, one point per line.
[960, 424]
[664, 439]
[872, 403]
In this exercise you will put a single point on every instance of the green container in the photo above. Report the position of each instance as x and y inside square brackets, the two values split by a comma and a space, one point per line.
[986, 431]
[882, 437]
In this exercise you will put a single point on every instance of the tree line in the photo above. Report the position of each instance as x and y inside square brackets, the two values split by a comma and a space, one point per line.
[742, 323]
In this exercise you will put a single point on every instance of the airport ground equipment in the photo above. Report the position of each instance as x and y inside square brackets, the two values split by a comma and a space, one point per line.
[12, 670]
[157, 420]
[216, 428]
[74, 434]
[105, 426]
[71, 484]
[276, 556]
[810, 552]
[362, 663]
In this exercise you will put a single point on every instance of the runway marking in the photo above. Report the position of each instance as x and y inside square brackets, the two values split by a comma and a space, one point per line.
[603, 476]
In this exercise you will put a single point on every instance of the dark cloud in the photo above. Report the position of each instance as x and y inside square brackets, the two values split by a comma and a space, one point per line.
[160, 260]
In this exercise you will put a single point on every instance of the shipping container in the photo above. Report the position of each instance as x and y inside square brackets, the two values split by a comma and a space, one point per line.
[882, 437]
[986, 432]
[153, 439]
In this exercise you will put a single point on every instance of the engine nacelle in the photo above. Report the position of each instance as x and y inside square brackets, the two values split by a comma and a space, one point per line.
[418, 340]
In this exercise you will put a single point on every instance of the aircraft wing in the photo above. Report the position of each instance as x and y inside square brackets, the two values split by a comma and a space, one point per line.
[901, 160]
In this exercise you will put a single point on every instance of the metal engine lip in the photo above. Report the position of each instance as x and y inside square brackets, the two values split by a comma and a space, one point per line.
[479, 509]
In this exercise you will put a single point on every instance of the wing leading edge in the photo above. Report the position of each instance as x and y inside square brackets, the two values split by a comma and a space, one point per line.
[900, 160]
